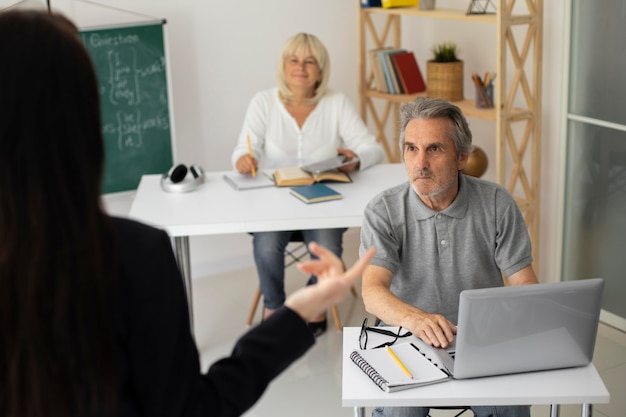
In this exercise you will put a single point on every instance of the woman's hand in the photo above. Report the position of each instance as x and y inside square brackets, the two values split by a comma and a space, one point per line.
[347, 156]
[333, 282]
[245, 164]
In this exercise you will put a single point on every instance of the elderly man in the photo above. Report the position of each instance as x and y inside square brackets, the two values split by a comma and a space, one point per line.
[438, 234]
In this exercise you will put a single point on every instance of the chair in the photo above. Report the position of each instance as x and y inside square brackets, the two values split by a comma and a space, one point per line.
[293, 255]
[461, 410]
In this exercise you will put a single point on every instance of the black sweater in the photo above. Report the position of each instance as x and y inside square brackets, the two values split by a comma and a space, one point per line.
[157, 360]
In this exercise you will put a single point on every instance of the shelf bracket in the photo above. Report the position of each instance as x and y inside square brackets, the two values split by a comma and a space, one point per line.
[481, 7]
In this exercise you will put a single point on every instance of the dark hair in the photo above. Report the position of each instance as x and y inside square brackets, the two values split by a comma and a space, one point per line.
[433, 108]
[55, 240]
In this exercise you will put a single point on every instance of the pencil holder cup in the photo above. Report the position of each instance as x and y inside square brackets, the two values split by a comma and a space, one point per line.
[484, 97]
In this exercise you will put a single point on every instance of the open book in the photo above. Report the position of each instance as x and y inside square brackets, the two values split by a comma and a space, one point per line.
[383, 369]
[292, 176]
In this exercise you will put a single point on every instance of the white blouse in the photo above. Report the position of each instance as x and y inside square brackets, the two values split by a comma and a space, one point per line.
[278, 141]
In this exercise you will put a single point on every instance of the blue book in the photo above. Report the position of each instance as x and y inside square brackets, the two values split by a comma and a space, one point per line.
[315, 193]
[388, 69]
[371, 3]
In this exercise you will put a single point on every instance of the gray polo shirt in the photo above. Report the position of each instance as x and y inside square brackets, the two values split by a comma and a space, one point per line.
[435, 255]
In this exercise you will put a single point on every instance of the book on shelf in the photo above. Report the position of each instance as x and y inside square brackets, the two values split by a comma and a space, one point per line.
[315, 193]
[388, 70]
[377, 69]
[370, 3]
[398, 3]
[389, 372]
[293, 176]
[409, 72]
[393, 72]
[242, 182]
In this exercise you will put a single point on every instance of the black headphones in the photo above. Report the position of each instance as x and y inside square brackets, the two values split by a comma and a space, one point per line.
[174, 181]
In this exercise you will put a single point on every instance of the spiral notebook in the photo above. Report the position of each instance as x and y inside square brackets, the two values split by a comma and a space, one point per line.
[381, 367]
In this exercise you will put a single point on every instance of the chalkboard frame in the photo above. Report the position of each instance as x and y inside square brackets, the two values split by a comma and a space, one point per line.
[135, 144]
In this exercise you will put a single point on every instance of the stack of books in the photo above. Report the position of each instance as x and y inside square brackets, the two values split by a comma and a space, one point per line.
[396, 71]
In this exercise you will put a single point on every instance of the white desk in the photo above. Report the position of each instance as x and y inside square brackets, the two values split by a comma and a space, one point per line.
[216, 208]
[566, 386]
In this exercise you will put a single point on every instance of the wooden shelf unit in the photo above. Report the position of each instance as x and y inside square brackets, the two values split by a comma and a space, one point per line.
[518, 128]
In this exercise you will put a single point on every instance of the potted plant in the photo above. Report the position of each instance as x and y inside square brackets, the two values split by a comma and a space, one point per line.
[444, 73]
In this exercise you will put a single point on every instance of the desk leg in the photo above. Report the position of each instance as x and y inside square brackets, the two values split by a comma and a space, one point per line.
[359, 411]
[184, 264]
[555, 410]
[586, 410]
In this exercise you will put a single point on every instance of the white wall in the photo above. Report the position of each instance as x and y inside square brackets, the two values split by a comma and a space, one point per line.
[222, 52]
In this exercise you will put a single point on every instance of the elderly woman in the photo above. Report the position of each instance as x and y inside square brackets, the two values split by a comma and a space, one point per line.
[300, 121]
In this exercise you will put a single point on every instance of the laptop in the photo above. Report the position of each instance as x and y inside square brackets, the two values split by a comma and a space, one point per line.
[514, 329]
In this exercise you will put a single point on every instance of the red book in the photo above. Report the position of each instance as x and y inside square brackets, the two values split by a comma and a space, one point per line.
[409, 73]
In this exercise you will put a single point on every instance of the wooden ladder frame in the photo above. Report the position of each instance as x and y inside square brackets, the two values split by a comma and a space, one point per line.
[518, 127]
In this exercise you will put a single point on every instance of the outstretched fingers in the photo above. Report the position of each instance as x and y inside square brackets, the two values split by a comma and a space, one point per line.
[329, 265]
[333, 284]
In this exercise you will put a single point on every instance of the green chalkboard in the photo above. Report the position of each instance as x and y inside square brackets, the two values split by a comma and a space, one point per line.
[131, 66]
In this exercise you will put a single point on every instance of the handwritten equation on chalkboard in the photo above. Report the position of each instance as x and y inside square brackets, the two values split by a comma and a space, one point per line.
[132, 74]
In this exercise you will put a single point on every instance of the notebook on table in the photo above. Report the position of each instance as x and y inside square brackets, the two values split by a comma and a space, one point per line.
[388, 370]
[242, 182]
[515, 329]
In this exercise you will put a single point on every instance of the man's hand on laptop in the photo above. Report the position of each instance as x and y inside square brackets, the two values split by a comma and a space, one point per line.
[434, 329]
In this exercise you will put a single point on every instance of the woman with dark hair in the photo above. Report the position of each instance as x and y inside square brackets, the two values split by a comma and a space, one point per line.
[93, 316]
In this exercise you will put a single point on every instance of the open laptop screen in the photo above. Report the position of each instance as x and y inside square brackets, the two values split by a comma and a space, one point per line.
[527, 328]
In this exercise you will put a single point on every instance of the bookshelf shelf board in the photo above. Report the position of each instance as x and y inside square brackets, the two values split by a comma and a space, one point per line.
[448, 14]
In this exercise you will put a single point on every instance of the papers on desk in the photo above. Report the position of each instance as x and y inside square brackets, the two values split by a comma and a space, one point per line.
[242, 182]
[328, 164]
[385, 372]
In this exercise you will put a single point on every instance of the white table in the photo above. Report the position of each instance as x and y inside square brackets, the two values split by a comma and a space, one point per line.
[217, 208]
[580, 385]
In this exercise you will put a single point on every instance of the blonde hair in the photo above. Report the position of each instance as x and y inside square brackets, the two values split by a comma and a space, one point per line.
[307, 43]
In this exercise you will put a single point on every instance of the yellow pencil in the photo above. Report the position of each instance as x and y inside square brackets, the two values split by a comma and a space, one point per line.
[399, 362]
[251, 155]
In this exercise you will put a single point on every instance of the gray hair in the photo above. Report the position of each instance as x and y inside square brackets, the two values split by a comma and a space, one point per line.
[434, 108]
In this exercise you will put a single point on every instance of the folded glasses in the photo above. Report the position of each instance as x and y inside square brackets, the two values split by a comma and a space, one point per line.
[395, 335]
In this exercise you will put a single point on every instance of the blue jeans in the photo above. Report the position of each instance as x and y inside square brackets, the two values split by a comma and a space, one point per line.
[269, 257]
[482, 411]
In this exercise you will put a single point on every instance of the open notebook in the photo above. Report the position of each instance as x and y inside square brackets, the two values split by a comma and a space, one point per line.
[389, 371]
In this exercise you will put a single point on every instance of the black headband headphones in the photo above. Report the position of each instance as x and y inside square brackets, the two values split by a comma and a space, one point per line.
[174, 181]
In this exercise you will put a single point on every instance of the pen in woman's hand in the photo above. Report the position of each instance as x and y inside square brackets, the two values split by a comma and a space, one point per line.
[251, 155]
